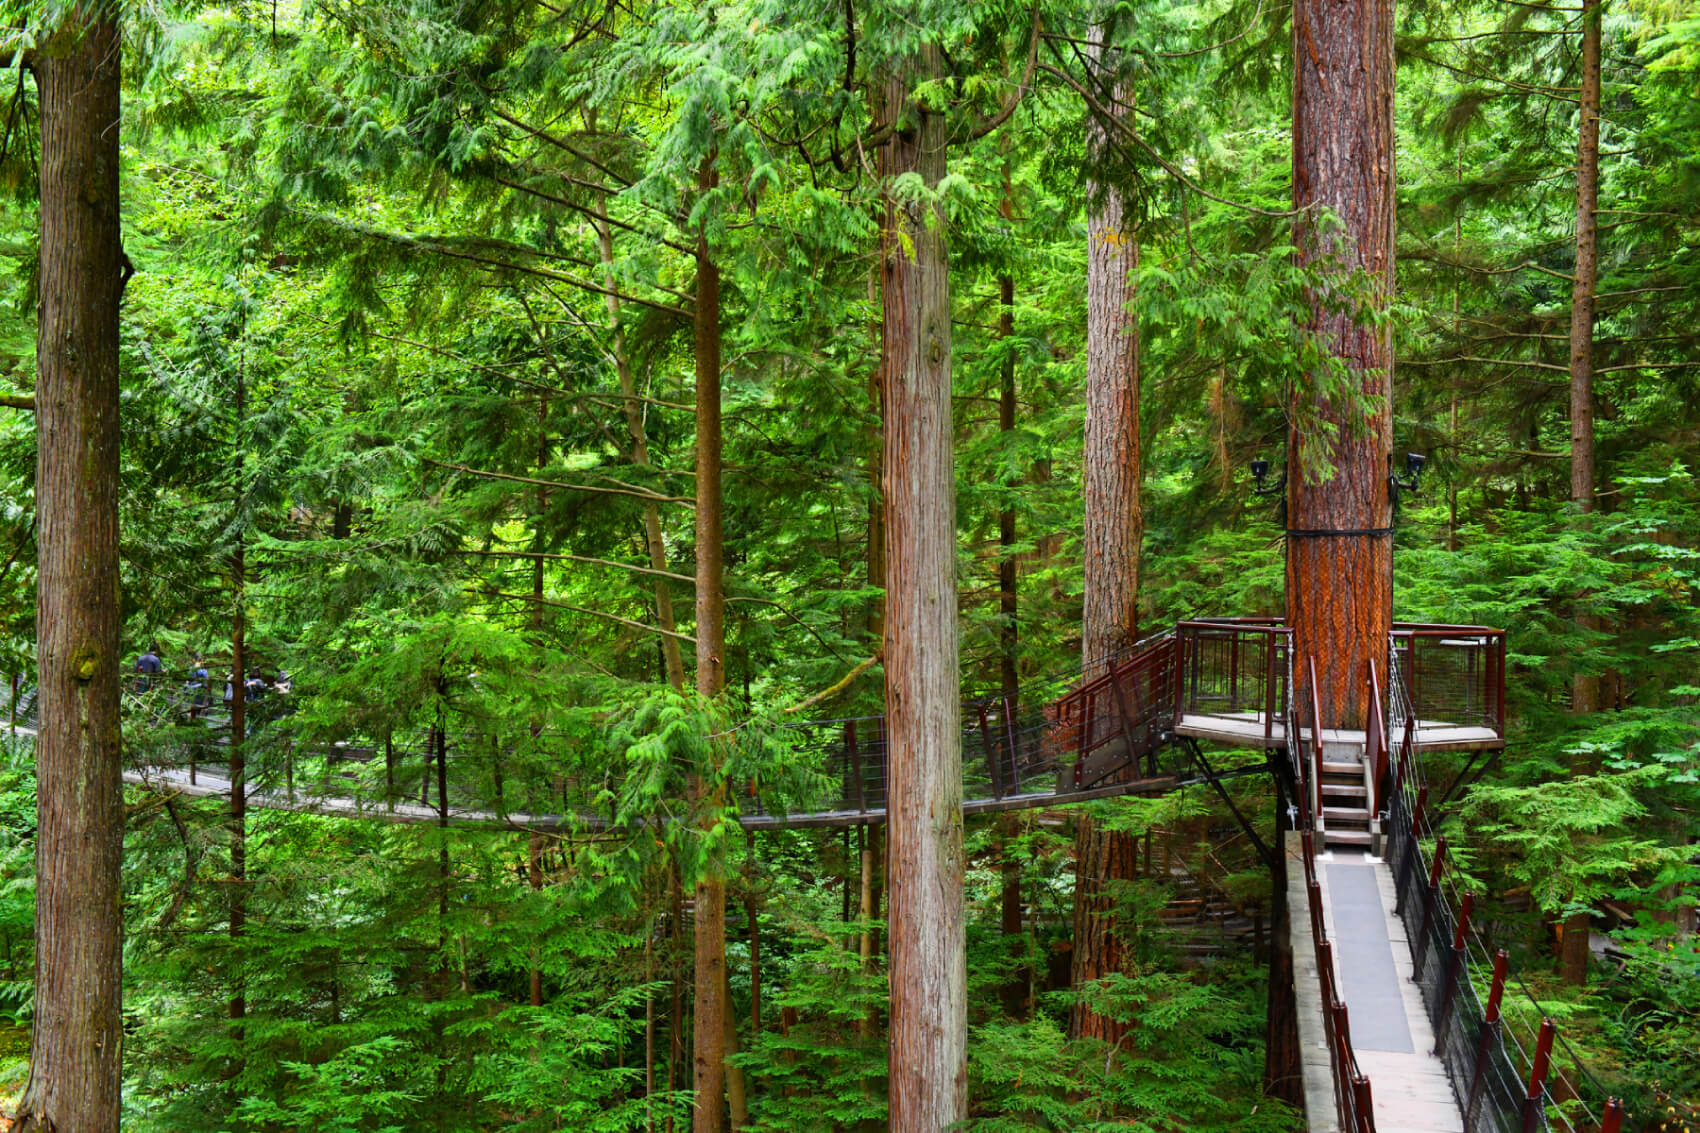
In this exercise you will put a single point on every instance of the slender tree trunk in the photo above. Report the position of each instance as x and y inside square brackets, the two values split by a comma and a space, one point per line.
[876, 464]
[238, 816]
[928, 1072]
[712, 1015]
[1283, 1071]
[1585, 688]
[1574, 949]
[1114, 528]
[1015, 992]
[671, 659]
[75, 1060]
[1339, 539]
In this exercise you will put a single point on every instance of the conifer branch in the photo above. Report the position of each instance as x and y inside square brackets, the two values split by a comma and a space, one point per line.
[1021, 89]
[647, 628]
[543, 135]
[545, 556]
[1115, 121]
[441, 249]
[590, 212]
[841, 685]
[11, 401]
[624, 490]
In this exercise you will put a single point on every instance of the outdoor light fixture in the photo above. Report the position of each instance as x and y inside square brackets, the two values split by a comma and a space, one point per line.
[1414, 462]
[1260, 473]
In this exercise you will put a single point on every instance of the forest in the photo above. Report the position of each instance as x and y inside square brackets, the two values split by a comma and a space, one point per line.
[552, 552]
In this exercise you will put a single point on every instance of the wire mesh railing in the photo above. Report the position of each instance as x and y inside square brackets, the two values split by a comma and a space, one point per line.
[1505, 1082]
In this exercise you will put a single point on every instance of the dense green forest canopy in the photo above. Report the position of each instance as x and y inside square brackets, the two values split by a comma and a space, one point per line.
[408, 380]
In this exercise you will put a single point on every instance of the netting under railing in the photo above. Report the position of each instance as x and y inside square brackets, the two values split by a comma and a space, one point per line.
[1489, 1063]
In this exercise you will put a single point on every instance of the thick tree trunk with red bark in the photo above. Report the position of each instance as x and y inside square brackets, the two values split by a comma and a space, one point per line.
[1112, 533]
[929, 1013]
[1339, 539]
[75, 1062]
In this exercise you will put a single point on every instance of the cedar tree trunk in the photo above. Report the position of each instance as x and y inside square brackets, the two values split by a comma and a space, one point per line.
[1339, 542]
[929, 1014]
[75, 1060]
[1114, 525]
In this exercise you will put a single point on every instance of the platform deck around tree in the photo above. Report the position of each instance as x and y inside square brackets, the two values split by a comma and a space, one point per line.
[1246, 729]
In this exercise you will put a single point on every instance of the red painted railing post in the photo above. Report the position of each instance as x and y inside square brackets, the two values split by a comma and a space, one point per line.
[1455, 971]
[1431, 902]
[1366, 1108]
[1613, 1120]
[1487, 1040]
[1535, 1103]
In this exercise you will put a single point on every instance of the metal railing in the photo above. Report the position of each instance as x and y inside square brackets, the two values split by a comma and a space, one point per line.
[1504, 1082]
[1233, 668]
[1353, 1104]
[1456, 673]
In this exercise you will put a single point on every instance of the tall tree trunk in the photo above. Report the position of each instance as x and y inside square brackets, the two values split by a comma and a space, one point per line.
[1283, 1071]
[1114, 527]
[876, 460]
[238, 816]
[1009, 632]
[929, 1013]
[712, 1016]
[1339, 539]
[75, 1059]
[671, 659]
[1585, 688]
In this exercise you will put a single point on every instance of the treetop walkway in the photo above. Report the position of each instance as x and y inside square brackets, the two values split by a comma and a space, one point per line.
[1379, 935]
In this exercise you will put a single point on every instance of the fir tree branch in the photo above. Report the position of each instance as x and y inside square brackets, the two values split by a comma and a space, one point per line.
[542, 555]
[543, 135]
[593, 613]
[1133, 135]
[1021, 89]
[841, 685]
[429, 245]
[625, 490]
[587, 211]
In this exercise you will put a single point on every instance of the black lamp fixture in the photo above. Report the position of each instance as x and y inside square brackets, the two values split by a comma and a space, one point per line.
[1260, 474]
[1414, 462]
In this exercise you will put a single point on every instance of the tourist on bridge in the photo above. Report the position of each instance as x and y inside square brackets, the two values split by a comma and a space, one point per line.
[150, 666]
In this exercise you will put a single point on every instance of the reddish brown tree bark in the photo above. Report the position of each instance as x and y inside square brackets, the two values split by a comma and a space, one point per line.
[929, 1012]
[712, 1016]
[1339, 541]
[1585, 687]
[1110, 545]
[75, 1060]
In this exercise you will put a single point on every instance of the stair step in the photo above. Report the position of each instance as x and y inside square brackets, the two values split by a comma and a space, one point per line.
[1348, 767]
[1332, 814]
[1348, 838]
[1355, 790]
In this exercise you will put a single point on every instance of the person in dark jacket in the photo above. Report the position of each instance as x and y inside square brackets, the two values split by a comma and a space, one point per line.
[149, 666]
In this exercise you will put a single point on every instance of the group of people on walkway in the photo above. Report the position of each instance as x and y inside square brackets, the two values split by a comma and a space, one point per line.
[257, 683]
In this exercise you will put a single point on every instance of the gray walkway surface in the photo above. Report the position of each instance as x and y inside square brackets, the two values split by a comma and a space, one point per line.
[1391, 1035]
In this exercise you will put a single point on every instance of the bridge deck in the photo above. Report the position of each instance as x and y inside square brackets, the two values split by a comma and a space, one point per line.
[1390, 1028]
[207, 783]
